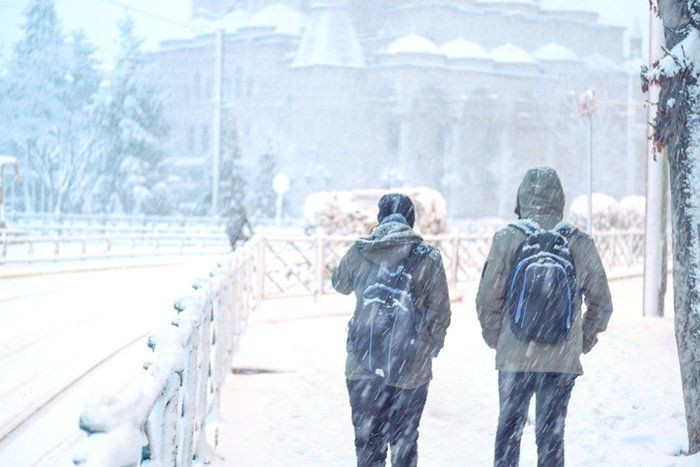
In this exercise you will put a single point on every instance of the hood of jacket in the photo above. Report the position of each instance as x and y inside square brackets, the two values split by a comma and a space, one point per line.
[389, 244]
[541, 197]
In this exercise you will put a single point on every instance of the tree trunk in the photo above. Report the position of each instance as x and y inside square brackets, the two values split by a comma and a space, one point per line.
[677, 126]
[686, 229]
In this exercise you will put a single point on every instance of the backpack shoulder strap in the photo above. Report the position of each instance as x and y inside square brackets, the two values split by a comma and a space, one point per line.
[566, 230]
[413, 257]
[526, 226]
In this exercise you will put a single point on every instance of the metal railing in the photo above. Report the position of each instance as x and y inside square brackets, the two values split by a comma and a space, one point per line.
[170, 415]
[51, 248]
[295, 266]
[23, 218]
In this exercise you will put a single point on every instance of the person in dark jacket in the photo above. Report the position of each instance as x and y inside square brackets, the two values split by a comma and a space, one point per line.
[387, 408]
[238, 227]
[527, 368]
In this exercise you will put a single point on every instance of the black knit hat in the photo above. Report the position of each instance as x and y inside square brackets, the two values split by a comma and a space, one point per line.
[396, 203]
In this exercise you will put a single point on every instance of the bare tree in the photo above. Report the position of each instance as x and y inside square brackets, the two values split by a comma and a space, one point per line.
[677, 127]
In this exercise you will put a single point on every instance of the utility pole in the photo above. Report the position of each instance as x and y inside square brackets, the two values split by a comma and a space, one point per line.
[218, 98]
[655, 237]
[587, 104]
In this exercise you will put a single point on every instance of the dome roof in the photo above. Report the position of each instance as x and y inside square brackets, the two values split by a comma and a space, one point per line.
[281, 18]
[555, 53]
[461, 48]
[413, 44]
[510, 53]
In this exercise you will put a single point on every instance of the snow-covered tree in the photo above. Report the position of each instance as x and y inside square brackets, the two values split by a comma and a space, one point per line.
[134, 134]
[47, 108]
[677, 127]
[232, 182]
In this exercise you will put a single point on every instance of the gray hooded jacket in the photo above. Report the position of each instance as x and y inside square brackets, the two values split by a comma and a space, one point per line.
[389, 245]
[541, 199]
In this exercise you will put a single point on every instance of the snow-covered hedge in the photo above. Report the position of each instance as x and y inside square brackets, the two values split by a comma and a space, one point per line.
[632, 212]
[169, 415]
[606, 212]
[354, 212]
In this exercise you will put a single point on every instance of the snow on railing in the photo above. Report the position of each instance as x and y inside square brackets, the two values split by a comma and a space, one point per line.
[22, 218]
[29, 249]
[170, 415]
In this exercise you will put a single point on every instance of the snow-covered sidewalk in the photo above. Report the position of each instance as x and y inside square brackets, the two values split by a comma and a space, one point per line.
[289, 406]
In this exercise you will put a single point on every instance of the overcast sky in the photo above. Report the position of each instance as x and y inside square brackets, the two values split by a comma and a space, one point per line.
[155, 19]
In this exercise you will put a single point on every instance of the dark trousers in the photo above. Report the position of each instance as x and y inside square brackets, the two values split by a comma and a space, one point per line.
[385, 416]
[552, 392]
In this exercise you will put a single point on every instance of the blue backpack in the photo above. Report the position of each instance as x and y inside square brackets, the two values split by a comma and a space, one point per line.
[386, 323]
[542, 285]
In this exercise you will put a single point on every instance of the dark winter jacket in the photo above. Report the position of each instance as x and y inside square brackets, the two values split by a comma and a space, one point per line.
[390, 244]
[541, 199]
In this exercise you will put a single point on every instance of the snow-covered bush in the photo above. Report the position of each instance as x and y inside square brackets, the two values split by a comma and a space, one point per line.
[355, 212]
[632, 212]
[606, 212]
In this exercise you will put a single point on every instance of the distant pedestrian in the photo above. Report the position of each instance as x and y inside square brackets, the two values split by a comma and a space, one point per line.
[238, 227]
[398, 327]
[537, 273]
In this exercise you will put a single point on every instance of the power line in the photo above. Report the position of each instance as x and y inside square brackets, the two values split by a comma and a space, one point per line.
[153, 15]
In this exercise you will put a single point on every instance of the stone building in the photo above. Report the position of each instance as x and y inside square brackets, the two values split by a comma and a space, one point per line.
[458, 95]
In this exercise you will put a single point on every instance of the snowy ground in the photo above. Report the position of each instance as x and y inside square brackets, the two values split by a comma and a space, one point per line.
[626, 410]
[60, 328]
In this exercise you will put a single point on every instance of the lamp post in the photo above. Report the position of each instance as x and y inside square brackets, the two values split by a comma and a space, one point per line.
[586, 105]
[280, 184]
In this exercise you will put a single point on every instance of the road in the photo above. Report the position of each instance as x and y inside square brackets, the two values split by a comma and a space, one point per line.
[64, 336]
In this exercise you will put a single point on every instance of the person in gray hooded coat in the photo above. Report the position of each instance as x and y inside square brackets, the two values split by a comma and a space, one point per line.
[387, 407]
[527, 368]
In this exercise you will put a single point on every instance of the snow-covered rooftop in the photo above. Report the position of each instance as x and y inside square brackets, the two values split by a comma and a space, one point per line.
[510, 53]
[279, 17]
[234, 20]
[413, 44]
[555, 53]
[566, 5]
[464, 49]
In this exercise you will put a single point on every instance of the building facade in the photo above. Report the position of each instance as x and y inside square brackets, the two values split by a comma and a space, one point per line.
[458, 95]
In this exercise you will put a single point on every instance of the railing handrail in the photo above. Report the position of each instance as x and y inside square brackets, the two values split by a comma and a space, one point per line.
[178, 380]
[177, 396]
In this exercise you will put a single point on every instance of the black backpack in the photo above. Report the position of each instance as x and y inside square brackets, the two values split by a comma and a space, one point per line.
[387, 321]
[542, 285]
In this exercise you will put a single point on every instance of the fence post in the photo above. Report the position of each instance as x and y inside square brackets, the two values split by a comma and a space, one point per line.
[320, 264]
[260, 266]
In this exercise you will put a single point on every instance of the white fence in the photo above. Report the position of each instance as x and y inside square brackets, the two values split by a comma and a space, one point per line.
[170, 416]
[296, 266]
[23, 219]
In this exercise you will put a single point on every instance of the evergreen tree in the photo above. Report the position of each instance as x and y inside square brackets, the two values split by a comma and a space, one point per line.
[135, 133]
[47, 109]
